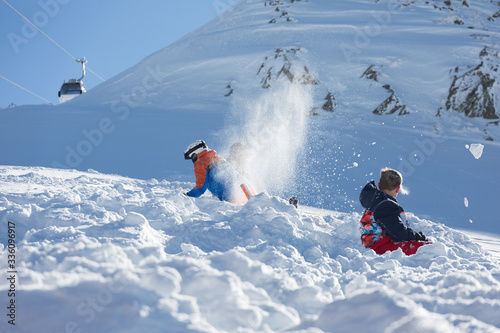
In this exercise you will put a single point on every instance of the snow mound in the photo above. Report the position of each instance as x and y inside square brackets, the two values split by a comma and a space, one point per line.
[105, 253]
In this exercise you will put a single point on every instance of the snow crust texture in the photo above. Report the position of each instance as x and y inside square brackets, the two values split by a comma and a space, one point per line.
[104, 253]
[324, 93]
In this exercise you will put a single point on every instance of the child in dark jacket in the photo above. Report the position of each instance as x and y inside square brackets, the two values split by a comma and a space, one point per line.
[384, 226]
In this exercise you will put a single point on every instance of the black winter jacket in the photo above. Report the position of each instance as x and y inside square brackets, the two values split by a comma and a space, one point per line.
[387, 212]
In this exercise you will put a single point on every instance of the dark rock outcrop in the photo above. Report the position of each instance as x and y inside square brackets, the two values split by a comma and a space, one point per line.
[474, 91]
[392, 105]
[285, 64]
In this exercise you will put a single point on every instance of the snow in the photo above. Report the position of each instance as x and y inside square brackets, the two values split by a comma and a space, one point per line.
[488, 241]
[118, 254]
[107, 242]
[137, 123]
[476, 149]
[275, 127]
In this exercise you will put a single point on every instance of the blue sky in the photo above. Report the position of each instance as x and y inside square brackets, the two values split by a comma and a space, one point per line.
[113, 36]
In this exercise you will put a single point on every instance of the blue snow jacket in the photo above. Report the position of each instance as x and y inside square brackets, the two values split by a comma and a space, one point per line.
[388, 216]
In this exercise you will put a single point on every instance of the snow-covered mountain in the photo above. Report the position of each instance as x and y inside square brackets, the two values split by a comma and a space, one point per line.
[430, 62]
[417, 48]
[325, 93]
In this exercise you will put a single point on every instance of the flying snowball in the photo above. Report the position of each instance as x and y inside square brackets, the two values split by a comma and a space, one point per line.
[476, 150]
[466, 202]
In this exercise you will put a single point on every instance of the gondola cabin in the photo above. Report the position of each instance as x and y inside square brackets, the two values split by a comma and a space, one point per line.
[71, 89]
[74, 87]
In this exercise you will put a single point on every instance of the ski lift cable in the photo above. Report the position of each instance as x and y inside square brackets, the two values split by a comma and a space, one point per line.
[53, 41]
[17, 85]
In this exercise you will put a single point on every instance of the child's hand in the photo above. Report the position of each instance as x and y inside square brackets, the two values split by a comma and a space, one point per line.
[421, 237]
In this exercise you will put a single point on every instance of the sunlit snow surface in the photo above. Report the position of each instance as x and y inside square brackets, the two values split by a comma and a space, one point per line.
[104, 253]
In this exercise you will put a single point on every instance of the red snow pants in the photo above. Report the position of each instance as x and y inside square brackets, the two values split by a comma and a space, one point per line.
[385, 243]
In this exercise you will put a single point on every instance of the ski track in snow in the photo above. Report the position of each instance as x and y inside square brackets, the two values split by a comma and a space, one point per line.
[104, 253]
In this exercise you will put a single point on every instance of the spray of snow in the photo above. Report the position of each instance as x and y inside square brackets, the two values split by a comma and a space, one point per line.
[273, 127]
[404, 190]
[476, 150]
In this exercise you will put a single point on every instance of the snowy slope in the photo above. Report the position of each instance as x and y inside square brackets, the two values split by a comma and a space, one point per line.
[105, 253]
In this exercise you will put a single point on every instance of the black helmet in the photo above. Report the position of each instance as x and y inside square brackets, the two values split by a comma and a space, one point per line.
[194, 149]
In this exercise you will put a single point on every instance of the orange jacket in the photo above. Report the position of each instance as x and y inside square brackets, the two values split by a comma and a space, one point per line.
[205, 158]
[222, 180]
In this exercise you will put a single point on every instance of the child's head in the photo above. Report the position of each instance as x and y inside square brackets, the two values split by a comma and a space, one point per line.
[390, 179]
[238, 150]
